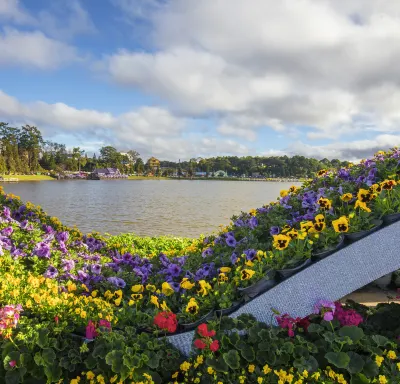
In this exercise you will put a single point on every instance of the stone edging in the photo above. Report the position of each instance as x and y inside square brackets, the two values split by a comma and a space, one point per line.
[332, 278]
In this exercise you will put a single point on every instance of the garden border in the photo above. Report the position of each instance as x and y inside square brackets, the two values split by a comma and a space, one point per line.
[332, 278]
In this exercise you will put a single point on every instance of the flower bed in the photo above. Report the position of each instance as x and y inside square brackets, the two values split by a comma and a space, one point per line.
[123, 292]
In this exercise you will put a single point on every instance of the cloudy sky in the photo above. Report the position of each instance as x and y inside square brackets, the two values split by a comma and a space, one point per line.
[188, 78]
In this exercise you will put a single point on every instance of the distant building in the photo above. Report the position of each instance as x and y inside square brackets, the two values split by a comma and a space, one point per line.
[106, 172]
[153, 163]
[200, 174]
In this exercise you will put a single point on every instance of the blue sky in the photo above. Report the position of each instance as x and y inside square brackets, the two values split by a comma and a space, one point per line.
[185, 78]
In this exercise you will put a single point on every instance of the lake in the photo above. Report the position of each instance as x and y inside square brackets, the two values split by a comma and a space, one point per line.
[147, 207]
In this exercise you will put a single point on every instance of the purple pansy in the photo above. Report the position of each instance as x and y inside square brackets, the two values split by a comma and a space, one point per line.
[118, 282]
[51, 272]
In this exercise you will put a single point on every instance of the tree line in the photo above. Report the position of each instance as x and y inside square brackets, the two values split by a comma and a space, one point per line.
[23, 151]
[265, 166]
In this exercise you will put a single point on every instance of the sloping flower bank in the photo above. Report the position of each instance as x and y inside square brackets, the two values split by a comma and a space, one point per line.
[73, 303]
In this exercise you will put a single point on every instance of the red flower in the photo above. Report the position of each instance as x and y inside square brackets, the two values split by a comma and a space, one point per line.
[304, 323]
[56, 319]
[12, 363]
[204, 332]
[198, 343]
[214, 346]
[166, 321]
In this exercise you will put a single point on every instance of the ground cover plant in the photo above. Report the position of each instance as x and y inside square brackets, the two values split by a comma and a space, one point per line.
[73, 303]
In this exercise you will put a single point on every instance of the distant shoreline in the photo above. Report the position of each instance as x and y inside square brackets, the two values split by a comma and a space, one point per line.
[22, 178]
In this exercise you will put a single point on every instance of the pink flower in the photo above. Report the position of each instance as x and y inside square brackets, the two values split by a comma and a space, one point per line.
[285, 321]
[12, 363]
[347, 316]
[56, 319]
[91, 331]
[326, 309]
[105, 324]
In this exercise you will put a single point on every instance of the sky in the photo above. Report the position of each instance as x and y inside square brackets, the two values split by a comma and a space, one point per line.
[181, 79]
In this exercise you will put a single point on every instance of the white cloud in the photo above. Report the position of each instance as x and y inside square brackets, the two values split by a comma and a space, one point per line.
[150, 130]
[33, 49]
[64, 20]
[328, 65]
[11, 10]
[354, 150]
[41, 43]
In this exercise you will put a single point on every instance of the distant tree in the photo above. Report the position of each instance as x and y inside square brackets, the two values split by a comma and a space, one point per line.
[134, 155]
[30, 141]
[139, 166]
[110, 157]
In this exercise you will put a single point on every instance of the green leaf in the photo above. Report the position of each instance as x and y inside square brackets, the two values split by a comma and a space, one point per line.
[371, 369]
[353, 332]
[264, 346]
[300, 351]
[218, 364]
[338, 359]
[48, 356]
[310, 364]
[38, 359]
[356, 364]
[240, 345]
[100, 350]
[154, 359]
[329, 337]
[43, 340]
[232, 359]
[13, 377]
[315, 328]
[53, 372]
[380, 341]
[248, 353]
[114, 358]
[288, 347]
[359, 379]
[267, 356]
[227, 323]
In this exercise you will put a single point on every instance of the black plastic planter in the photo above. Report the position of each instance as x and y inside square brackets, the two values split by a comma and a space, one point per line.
[263, 285]
[328, 251]
[191, 326]
[352, 237]
[390, 219]
[287, 272]
[227, 311]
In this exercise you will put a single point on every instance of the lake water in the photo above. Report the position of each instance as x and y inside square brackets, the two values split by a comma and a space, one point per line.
[147, 207]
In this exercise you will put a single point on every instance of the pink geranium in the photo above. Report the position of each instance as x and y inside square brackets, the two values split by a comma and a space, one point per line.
[326, 309]
[347, 316]
[91, 330]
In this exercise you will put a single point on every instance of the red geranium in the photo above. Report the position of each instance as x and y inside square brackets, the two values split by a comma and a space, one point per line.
[304, 323]
[166, 321]
[204, 332]
[206, 341]
[198, 343]
[214, 346]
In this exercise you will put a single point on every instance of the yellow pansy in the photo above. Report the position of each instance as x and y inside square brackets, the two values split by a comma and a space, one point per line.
[186, 284]
[138, 288]
[166, 289]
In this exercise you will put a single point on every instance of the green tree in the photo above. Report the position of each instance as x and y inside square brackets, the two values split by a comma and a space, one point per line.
[139, 166]
[30, 143]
